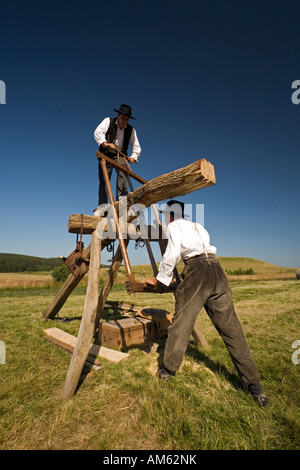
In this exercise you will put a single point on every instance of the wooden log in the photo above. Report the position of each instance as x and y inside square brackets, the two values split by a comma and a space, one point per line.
[90, 224]
[197, 175]
[68, 342]
[86, 329]
[61, 297]
[140, 287]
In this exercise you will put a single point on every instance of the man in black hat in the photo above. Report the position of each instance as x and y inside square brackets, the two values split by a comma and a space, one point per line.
[203, 284]
[116, 134]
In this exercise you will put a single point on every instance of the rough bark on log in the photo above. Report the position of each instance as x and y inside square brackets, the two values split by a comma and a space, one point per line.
[90, 223]
[197, 175]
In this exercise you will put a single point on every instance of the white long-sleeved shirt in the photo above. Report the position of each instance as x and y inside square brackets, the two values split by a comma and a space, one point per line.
[183, 241]
[103, 127]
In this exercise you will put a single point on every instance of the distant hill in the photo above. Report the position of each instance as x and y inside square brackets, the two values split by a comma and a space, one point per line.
[236, 268]
[12, 263]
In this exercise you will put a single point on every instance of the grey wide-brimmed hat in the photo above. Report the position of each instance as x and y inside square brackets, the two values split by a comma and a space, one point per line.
[126, 110]
[177, 207]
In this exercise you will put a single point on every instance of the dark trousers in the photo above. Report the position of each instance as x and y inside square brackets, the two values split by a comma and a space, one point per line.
[121, 183]
[204, 284]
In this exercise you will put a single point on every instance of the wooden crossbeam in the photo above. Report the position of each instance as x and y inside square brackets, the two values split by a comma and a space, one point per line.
[117, 166]
[90, 223]
[68, 342]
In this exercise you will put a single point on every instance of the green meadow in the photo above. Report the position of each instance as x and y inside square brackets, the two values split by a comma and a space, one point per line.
[124, 406]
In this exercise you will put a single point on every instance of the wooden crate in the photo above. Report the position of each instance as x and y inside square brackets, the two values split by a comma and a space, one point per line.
[125, 332]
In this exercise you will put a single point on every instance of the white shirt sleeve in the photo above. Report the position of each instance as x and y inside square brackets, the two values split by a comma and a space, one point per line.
[135, 145]
[101, 130]
[172, 255]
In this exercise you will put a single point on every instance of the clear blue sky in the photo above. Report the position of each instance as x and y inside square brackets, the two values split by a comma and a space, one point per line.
[205, 79]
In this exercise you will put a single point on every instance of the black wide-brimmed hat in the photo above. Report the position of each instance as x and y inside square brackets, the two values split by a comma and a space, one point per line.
[126, 110]
[176, 207]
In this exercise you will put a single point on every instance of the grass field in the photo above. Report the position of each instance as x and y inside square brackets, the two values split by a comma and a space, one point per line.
[124, 405]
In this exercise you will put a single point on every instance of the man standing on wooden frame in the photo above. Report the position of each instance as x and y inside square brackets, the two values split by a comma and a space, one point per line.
[116, 134]
[203, 284]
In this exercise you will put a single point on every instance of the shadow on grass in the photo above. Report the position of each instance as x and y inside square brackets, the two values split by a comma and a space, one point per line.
[158, 346]
[195, 353]
[192, 351]
[219, 369]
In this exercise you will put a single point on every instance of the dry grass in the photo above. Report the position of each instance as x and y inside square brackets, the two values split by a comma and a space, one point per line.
[25, 280]
[262, 271]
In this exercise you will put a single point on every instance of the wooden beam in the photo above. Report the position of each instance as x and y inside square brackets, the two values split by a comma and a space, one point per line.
[116, 165]
[68, 342]
[86, 329]
[140, 287]
[90, 223]
[61, 297]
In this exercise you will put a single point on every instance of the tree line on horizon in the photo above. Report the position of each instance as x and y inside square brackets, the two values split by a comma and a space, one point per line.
[13, 263]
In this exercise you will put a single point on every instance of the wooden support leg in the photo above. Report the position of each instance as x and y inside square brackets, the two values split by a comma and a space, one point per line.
[61, 296]
[108, 283]
[199, 338]
[86, 329]
[151, 257]
[66, 290]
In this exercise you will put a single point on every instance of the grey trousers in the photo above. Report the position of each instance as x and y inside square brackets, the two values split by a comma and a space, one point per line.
[204, 284]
